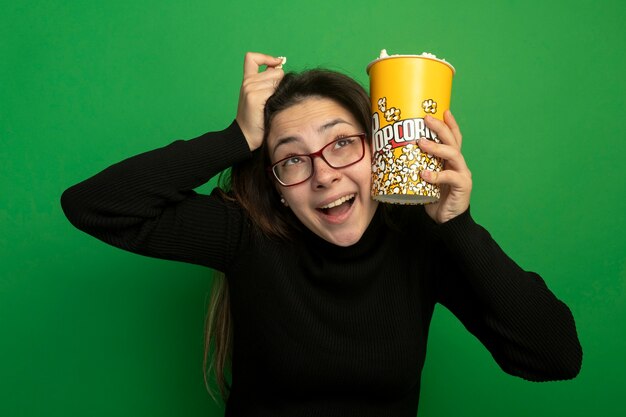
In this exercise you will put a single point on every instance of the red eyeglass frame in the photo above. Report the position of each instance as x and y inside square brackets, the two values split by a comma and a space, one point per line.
[319, 153]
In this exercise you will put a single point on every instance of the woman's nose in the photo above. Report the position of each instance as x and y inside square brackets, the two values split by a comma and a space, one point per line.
[323, 174]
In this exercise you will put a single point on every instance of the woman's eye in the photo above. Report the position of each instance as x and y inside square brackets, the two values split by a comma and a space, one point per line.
[294, 160]
[340, 143]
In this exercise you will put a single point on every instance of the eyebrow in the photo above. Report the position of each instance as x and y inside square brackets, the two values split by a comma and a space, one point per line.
[321, 129]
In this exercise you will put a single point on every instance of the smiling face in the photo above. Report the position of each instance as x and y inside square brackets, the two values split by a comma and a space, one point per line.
[334, 204]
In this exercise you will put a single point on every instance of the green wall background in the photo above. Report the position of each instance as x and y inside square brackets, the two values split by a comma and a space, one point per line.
[89, 330]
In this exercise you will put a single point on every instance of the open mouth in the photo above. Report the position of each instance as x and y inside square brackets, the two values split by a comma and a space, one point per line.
[339, 206]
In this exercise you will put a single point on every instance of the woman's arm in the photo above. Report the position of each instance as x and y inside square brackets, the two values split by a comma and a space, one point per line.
[146, 204]
[529, 332]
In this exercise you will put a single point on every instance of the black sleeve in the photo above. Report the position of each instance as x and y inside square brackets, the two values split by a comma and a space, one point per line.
[529, 332]
[146, 204]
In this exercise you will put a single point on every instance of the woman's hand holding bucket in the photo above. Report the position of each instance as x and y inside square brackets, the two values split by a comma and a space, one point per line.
[455, 180]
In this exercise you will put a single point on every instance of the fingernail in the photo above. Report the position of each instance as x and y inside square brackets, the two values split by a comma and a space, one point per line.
[422, 142]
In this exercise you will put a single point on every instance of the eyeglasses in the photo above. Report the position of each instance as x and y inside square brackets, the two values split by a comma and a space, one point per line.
[340, 153]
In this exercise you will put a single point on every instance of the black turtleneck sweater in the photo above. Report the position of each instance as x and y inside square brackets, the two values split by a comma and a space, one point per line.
[322, 330]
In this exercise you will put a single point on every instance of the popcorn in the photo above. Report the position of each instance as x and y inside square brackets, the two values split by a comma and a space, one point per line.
[284, 59]
[396, 171]
[382, 104]
[430, 106]
[392, 115]
[384, 54]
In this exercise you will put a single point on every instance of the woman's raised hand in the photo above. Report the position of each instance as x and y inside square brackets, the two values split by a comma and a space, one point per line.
[455, 180]
[256, 88]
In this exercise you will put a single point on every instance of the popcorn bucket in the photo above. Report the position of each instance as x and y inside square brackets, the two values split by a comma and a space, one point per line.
[403, 89]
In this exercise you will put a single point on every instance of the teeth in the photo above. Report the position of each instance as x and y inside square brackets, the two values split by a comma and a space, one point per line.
[339, 201]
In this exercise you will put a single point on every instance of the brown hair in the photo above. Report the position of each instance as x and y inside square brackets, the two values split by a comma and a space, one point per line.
[250, 184]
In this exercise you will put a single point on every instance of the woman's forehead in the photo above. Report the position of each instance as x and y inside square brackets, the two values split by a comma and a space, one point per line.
[311, 116]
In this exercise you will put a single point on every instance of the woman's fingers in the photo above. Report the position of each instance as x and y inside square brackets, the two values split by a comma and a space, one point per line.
[454, 126]
[447, 131]
[269, 78]
[254, 60]
[455, 180]
[255, 81]
[452, 155]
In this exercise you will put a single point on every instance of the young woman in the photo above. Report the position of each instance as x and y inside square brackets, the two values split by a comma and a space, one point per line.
[328, 294]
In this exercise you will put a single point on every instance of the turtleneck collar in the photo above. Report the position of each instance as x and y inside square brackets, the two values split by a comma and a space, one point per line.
[368, 242]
